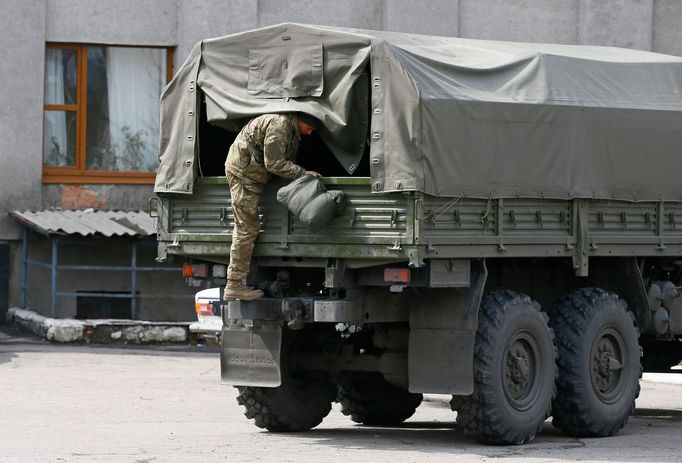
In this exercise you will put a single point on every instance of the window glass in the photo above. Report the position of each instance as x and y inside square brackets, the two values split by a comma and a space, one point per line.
[123, 89]
[60, 76]
[59, 138]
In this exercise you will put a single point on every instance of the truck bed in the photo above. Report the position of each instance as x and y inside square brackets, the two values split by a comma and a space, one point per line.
[414, 226]
[372, 226]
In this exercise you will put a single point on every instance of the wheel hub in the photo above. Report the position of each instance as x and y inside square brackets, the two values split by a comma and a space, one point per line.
[606, 364]
[519, 370]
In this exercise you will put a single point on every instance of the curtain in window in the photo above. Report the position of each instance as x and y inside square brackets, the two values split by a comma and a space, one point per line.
[135, 78]
[55, 143]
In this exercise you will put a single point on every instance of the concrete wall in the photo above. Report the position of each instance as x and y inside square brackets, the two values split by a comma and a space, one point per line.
[111, 252]
[201, 19]
[644, 24]
[22, 59]
[519, 20]
[667, 30]
[25, 26]
[122, 22]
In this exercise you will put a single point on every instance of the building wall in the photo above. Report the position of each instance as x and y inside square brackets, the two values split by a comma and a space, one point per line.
[22, 56]
[25, 26]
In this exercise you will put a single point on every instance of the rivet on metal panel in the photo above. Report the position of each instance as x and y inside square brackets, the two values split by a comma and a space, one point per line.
[377, 111]
[376, 135]
[187, 186]
[376, 79]
[377, 186]
[191, 88]
[190, 137]
[190, 113]
[376, 85]
[351, 167]
[188, 162]
[286, 37]
[191, 82]
[375, 161]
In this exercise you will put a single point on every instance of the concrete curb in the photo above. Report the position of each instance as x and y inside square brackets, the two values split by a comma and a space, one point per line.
[99, 331]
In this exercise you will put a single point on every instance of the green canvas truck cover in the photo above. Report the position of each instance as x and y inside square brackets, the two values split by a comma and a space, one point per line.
[445, 116]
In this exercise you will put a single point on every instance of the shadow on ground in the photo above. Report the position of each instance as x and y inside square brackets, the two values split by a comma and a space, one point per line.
[423, 438]
[659, 414]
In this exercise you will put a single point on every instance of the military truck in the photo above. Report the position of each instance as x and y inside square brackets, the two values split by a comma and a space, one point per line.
[512, 238]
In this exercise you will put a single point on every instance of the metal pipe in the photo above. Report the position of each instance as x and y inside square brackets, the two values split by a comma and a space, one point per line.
[38, 263]
[125, 295]
[133, 281]
[53, 279]
[24, 271]
[112, 268]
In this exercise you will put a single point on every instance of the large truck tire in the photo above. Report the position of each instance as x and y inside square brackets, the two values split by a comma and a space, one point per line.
[371, 400]
[514, 372]
[296, 405]
[599, 363]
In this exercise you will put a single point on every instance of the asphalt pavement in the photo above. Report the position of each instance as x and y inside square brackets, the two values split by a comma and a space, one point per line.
[83, 403]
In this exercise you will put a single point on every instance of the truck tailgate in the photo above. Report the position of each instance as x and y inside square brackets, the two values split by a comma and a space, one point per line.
[371, 225]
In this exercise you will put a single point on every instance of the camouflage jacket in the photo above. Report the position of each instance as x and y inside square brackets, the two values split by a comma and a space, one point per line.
[266, 145]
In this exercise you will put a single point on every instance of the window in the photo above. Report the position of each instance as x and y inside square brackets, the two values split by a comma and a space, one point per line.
[101, 113]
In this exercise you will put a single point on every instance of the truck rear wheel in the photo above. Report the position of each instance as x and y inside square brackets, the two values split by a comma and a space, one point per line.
[369, 399]
[299, 403]
[296, 405]
[514, 372]
[599, 363]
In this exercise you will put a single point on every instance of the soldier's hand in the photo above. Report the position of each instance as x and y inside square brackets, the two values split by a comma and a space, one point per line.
[312, 172]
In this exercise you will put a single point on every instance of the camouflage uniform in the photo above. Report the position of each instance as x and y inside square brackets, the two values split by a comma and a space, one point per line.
[267, 144]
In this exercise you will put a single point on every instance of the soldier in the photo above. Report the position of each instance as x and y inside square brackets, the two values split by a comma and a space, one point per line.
[266, 145]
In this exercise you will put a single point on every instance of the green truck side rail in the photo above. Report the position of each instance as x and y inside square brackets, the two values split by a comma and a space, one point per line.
[414, 227]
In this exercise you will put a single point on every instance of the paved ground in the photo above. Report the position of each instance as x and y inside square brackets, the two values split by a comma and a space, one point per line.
[92, 404]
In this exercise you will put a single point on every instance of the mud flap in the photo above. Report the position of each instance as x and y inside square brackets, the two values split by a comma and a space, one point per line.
[251, 355]
[443, 323]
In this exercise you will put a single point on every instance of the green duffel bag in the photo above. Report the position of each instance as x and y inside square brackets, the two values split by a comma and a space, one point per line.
[309, 201]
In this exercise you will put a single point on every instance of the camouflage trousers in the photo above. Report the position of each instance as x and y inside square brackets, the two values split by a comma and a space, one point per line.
[246, 227]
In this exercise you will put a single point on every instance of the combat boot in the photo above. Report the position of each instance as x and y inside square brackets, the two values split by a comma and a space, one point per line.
[236, 290]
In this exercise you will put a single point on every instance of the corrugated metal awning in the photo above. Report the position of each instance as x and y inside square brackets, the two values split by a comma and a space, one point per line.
[88, 222]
